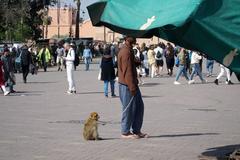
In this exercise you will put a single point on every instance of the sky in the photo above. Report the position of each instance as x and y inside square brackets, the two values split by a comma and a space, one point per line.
[84, 4]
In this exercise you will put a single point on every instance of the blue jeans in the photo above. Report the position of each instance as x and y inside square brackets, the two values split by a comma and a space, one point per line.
[210, 64]
[87, 63]
[132, 110]
[181, 69]
[112, 82]
[196, 70]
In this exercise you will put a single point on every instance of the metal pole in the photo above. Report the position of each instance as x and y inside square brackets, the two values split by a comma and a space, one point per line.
[104, 33]
[77, 32]
[58, 17]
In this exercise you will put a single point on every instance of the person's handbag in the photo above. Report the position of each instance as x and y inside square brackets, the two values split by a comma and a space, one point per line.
[100, 74]
[32, 69]
[18, 60]
[177, 62]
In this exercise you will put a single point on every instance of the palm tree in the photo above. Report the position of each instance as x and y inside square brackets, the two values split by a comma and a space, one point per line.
[77, 18]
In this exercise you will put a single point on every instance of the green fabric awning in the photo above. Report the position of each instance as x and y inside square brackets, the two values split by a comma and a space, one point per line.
[209, 26]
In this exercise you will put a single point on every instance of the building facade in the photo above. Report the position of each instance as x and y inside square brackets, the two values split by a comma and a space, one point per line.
[64, 22]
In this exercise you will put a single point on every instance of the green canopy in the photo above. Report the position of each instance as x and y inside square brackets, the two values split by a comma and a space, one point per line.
[209, 26]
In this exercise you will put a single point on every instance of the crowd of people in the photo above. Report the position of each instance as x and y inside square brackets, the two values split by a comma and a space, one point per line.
[151, 59]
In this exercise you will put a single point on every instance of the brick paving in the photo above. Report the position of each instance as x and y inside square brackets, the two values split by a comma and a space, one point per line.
[185, 122]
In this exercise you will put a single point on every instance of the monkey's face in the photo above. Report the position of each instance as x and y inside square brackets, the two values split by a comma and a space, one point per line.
[94, 116]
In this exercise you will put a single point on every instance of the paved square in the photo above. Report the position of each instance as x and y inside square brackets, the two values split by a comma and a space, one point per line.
[42, 122]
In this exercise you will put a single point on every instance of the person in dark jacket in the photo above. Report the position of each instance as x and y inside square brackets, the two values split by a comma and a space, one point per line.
[26, 60]
[8, 67]
[108, 73]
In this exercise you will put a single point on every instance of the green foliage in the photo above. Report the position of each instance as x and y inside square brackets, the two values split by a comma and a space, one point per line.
[20, 19]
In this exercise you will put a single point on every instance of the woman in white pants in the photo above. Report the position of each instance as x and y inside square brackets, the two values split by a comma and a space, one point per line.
[224, 69]
[70, 57]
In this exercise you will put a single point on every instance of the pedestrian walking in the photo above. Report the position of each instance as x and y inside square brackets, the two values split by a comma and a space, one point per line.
[169, 55]
[159, 59]
[107, 71]
[44, 57]
[87, 56]
[195, 60]
[8, 67]
[70, 57]
[182, 57]
[129, 92]
[209, 66]
[228, 74]
[151, 61]
[2, 84]
[60, 54]
[26, 60]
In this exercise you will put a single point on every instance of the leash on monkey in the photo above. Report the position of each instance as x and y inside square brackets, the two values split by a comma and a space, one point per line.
[128, 105]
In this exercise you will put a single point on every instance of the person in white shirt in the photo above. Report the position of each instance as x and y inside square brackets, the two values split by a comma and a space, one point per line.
[70, 57]
[195, 59]
[159, 59]
[60, 54]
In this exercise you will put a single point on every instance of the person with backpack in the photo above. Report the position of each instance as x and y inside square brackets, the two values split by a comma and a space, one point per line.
[182, 57]
[159, 59]
[44, 57]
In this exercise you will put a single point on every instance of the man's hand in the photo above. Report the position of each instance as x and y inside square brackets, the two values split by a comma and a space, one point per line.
[134, 92]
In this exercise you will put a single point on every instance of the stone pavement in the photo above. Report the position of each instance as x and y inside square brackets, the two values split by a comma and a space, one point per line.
[185, 122]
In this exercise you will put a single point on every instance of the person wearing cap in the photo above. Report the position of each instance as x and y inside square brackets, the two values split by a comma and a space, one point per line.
[87, 56]
[70, 57]
[129, 92]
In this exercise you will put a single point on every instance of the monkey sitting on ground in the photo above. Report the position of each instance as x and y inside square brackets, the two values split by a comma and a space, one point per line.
[90, 131]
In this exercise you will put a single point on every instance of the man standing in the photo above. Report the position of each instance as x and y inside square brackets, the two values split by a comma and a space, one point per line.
[70, 57]
[129, 93]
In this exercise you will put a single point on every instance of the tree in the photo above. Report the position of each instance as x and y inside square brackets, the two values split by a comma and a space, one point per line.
[20, 19]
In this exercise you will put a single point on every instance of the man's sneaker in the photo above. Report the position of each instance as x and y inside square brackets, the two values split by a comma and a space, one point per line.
[230, 83]
[6, 93]
[176, 83]
[191, 82]
[75, 92]
[216, 81]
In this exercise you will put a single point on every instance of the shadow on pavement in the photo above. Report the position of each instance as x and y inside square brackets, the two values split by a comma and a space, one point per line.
[151, 96]
[183, 135]
[40, 82]
[90, 93]
[219, 153]
[150, 84]
[26, 93]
